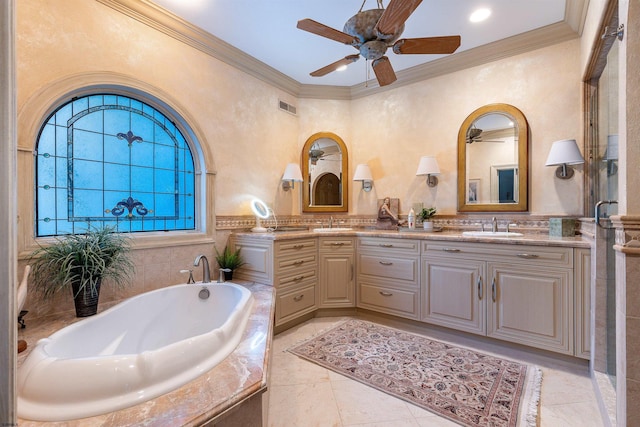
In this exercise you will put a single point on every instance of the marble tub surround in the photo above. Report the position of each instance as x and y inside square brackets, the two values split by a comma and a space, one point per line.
[241, 376]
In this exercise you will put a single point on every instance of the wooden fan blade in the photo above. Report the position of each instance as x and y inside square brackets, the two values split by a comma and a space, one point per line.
[332, 67]
[395, 15]
[384, 71]
[322, 30]
[429, 45]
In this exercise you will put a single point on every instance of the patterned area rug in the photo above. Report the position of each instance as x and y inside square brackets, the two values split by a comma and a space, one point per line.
[467, 387]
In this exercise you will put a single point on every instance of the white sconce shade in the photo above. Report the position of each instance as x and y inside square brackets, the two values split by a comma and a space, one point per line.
[429, 166]
[363, 173]
[291, 175]
[611, 155]
[564, 152]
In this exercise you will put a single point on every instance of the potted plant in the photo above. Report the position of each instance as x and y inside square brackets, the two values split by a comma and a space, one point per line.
[229, 260]
[425, 215]
[81, 262]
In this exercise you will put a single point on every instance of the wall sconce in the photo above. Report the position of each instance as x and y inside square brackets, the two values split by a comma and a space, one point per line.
[563, 153]
[291, 175]
[363, 173]
[429, 166]
[611, 155]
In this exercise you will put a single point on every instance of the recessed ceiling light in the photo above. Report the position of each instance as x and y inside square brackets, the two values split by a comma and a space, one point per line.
[480, 15]
[341, 68]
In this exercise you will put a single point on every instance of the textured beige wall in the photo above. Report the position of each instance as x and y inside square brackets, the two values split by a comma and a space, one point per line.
[391, 130]
[251, 141]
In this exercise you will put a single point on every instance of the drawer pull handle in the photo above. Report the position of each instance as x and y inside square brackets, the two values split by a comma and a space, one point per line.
[527, 256]
[493, 289]
[337, 244]
[298, 298]
[386, 294]
[298, 278]
[298, 246]
[386, 245]
[298, 262]
[451, 250]
[386, 263]
[480, 288]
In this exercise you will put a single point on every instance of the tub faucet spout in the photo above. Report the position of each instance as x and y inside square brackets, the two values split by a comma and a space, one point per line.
[206, 275]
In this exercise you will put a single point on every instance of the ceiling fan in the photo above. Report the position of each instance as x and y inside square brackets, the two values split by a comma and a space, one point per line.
[373, 31]
[474, 134]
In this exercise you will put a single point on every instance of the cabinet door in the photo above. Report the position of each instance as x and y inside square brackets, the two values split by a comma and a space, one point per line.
[454, 294]
[336, 280]
[531, 306]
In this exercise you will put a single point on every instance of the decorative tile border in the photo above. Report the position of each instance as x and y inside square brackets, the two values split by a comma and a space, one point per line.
[518, 222]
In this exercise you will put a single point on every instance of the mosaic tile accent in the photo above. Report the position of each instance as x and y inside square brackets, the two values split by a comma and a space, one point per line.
[521, 223]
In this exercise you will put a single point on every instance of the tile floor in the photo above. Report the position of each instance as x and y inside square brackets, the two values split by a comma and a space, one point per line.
[303, 394]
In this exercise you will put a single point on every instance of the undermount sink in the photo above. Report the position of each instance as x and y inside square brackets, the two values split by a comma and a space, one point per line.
[333, 229]
[491, 234]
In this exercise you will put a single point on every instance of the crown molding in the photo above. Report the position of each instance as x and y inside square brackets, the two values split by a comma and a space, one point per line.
[166, 22]
[172, 25]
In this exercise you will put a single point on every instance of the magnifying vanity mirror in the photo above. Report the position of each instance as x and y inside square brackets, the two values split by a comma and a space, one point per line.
[324, 168]
[493, 160]
[261, 211]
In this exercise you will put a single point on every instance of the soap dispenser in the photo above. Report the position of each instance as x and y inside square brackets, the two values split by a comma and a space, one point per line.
[412, 219]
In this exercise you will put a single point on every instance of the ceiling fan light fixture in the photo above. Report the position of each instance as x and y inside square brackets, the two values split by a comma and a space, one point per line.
[341, 68]
[480, 15]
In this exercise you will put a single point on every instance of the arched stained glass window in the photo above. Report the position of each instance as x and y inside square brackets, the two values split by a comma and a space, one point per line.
[110, 159]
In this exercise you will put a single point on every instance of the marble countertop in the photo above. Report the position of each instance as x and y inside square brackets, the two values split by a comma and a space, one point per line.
[242, 374]
[537, 239]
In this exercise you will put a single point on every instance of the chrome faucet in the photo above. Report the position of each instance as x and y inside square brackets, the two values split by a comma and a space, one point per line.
[494, 225]
[206, 275]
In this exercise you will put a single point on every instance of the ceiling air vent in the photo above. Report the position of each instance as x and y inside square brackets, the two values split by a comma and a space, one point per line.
[287, 107]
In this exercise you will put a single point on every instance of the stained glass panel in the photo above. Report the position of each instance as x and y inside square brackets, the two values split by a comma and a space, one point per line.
[112, 159]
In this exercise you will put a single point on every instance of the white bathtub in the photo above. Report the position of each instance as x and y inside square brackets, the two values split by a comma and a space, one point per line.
[139, 349]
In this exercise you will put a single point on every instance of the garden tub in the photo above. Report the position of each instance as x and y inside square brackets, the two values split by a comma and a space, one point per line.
[135, 351]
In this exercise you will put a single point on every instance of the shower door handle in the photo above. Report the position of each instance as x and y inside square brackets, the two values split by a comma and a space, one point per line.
[597, 211]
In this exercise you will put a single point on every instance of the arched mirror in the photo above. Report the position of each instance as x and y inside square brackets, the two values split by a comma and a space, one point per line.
[493, 160]
[324, 168]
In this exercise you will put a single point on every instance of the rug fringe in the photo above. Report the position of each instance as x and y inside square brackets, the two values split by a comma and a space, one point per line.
[533, 388]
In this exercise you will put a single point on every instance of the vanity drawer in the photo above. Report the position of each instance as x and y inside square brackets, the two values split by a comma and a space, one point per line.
[382, 266]
[296, 278]
[294, 303]
[288, 247]
[329, 244]
[291, 263]
[389, 245]
[547, 256]
[388, 300]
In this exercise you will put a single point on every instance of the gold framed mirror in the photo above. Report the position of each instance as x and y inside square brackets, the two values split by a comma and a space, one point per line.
[493, 160]
[324, 170]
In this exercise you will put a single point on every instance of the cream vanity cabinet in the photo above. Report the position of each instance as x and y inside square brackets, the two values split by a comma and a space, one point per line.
[388, 276]
[291, 265]
[337, 272]
[518, 293]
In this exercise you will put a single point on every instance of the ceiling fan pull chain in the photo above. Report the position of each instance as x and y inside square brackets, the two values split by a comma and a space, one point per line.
[367, 73]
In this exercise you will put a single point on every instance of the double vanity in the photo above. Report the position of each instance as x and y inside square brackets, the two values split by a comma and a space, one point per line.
[526, 289]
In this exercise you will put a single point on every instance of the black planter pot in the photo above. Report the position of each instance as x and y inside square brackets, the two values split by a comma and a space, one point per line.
[86, 301]
[228, 275]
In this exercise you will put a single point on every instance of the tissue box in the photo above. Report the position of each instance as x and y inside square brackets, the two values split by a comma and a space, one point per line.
[562, 227]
